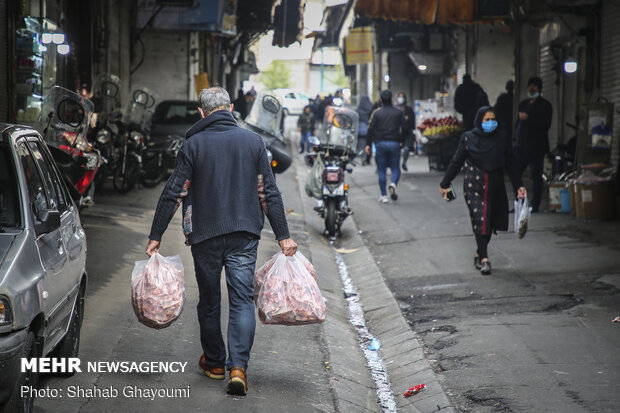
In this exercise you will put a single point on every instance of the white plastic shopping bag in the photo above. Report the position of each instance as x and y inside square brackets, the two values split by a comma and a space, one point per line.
[286, 292]
[522, 216]
[158, 290]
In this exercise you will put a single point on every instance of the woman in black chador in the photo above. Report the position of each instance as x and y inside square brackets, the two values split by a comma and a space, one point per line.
[485, 152]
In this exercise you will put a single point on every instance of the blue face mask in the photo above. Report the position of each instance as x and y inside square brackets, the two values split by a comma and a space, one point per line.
[489, 126]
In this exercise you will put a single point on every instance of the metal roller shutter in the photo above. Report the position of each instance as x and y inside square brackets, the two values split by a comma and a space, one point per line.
[547, 70]
[610, 65]
[4, 62]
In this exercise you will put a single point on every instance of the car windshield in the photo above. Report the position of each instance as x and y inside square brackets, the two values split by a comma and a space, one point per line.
[176, 113]
[9, 198]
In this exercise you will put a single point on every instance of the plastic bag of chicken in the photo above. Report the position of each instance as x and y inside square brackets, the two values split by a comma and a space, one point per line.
[287, 292]
[259, 274]
[158, 290]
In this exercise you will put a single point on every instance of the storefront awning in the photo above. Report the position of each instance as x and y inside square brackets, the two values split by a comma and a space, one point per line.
[433, 11]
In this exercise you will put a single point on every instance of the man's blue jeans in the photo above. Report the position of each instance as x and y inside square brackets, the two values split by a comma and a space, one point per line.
[304, 145]
[236, 252]
[387, 156]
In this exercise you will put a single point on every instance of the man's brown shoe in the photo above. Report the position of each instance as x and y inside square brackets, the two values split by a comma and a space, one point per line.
[216, 373]
[238, 383]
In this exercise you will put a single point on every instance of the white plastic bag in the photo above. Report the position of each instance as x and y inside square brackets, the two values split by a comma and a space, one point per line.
[522, 216]
[158, 290]
[286, 291]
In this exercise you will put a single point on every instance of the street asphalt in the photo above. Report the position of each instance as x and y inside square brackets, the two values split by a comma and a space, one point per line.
[535, 336]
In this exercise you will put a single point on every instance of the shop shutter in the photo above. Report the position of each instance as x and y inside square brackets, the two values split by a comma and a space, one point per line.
[4, 62]
[610, 65]
[547, 70]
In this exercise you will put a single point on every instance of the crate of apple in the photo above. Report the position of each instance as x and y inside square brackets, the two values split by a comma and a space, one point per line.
[440, 126]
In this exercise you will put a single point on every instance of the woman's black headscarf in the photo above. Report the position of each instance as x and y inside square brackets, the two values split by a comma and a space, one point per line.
[487, 150]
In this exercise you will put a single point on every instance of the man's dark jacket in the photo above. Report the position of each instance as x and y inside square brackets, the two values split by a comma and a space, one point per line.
[468, 98]
[225, 182]
[533, 133]
[387, 124]
[503, 109]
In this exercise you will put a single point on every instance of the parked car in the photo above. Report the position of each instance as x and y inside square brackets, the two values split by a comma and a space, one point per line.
[173, 117]
[42, 263]
[293, 101]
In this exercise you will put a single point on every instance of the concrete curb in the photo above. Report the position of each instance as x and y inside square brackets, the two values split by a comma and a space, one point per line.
[400, 350]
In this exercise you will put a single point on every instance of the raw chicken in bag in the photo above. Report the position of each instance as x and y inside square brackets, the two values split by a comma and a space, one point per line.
[158, 290]
[286, 292]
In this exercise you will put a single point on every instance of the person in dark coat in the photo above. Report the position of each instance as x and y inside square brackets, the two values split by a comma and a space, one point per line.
[224, 181]
[364, 109]
[387, 132]
[305, 126]
[409, 145]
[486, 152]
[504, 106]
[240, 105]
[468, 98]
[534, 121]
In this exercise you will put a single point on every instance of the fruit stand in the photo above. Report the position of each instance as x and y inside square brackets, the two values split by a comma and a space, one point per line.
[443, 136]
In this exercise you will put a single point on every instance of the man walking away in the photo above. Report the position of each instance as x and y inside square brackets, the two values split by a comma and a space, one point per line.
[468, 98]
[225, 182]
[503, 108]
[409, 145]
[533, 123]
[387, 132]
[305, 125]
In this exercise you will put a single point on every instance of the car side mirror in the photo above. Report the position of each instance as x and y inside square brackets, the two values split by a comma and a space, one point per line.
[314, 141]
[49, 220]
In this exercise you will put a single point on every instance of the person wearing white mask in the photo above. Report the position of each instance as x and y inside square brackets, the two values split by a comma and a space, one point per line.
[409, 145]
[533, 123]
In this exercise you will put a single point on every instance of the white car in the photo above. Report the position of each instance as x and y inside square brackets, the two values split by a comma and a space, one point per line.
[293, 101]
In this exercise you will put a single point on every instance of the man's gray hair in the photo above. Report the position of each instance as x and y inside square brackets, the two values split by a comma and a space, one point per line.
[213, 98]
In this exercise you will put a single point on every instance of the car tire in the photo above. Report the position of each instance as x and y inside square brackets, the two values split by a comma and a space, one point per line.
[69, 346]
[17, 403]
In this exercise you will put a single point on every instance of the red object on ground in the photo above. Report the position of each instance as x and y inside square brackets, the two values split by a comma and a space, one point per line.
[414, 390]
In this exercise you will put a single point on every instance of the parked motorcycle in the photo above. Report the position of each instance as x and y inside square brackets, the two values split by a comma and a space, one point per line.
[132, 141]
[334, 152]
[159, 159]
[63, 122]
[105, 135]
[265, 118]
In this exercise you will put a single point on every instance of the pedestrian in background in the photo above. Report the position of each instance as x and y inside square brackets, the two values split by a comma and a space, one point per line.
[364, 109]
[305, 126]
[409, 144]
[240, 104]
[468, 98]
[503, 108]
[225, 182]
[486, 152]
[533, 123]
[387, 131]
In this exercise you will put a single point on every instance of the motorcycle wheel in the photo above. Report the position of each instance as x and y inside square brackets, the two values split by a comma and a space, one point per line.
[124, 183]
[101, 177]
[152, 174]
[330, 218]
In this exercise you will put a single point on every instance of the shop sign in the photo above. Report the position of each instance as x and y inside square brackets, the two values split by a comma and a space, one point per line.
[358, 46]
